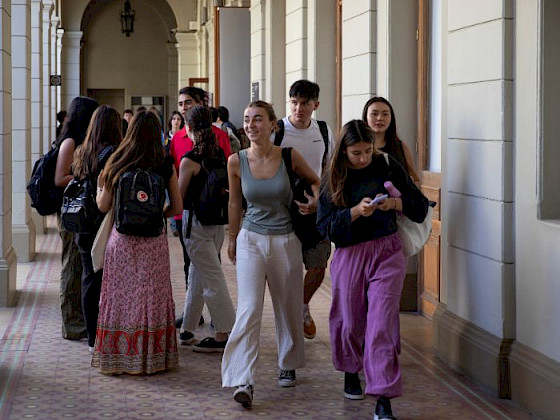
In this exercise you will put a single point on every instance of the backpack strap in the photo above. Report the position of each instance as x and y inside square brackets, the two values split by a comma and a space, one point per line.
[287, 158]
[325, 133]
[279, 136]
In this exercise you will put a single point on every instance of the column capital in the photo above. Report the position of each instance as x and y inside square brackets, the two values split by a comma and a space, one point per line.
[72, 38]
[184, 38]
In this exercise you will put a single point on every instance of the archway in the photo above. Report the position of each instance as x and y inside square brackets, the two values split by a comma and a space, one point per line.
[129, 71]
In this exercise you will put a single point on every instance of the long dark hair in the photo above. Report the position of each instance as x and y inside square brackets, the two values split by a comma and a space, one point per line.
[199, 120]
[77, 120]
[104, 130]
[393, 145]
[140, 148]
[353, 132]
[169, 122]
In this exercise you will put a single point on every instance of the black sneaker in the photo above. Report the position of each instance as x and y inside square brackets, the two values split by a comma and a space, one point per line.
[383, 409]
[287, 378]
[244, 395]
[210, 345]
[352, 387]
[179, 321]
[186, 338]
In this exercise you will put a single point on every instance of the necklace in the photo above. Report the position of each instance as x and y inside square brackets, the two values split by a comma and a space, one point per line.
[263, 158]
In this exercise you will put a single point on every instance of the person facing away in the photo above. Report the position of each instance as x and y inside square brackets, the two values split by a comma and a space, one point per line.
[379, 115]
[136, 323]
[302, 132]
[60, 116]
[265, 250]
[103, 136]
[207, 283]
[368, 265]
[181, 144]
[71, 136]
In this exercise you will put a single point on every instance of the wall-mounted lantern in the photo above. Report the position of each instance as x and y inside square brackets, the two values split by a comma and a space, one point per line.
[127, 19]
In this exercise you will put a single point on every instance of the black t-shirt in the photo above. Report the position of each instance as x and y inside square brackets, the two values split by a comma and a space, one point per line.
[335, 222]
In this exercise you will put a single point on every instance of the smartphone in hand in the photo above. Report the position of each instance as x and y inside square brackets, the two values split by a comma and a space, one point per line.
[378, 199]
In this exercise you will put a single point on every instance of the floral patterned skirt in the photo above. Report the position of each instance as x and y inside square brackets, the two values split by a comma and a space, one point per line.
[136, 324]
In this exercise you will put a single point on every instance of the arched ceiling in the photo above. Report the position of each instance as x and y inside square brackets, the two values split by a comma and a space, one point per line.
[161, 10]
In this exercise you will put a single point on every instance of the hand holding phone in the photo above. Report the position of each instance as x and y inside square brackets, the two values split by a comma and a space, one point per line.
[378, 199]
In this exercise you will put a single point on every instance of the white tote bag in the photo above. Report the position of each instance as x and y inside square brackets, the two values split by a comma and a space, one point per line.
[413, 235]
[100, 241]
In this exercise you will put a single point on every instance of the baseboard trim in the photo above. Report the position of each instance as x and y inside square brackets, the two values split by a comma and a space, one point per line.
[535, 381]
[473, 351]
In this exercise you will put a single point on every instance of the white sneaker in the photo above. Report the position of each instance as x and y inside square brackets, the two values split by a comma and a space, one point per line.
[91, 349]
[244, 395]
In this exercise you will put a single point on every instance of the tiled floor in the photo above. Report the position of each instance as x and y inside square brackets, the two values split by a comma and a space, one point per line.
[43, 376]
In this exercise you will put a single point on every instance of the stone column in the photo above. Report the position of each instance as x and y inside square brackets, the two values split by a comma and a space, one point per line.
[173, 79]
[37, 148]
[8, 268]
[187, 53]
[36, 79]
[23, 228]
[47, 118]
[54, 89]
[359, 39]
[70, 66]
[59, 35]
[296, 42]
[321, 55]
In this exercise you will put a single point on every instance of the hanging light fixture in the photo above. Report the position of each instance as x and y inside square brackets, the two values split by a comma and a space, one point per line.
[127, 19]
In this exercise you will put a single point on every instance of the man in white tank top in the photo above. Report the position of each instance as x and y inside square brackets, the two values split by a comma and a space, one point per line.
[304, 134]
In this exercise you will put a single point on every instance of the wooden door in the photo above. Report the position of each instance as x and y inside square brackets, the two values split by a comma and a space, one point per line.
[429, 258]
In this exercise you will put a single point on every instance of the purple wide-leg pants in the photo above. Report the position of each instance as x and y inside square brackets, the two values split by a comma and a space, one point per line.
[367, 281]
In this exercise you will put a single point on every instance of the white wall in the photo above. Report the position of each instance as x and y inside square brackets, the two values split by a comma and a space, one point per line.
[537, 252]
[235, 77]
[479, 175]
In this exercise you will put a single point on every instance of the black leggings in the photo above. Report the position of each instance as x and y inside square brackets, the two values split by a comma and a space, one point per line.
[186, 259]
[91, 285]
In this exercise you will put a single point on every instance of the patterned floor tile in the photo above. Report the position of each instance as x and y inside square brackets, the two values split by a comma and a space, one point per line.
[43, 376]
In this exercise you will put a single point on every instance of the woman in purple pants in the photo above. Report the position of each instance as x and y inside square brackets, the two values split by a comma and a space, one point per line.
[368, 266]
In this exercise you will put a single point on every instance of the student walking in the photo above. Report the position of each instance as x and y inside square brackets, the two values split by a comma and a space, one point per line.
[314, 141]
[379, 115]
[180, 144]
[203, 171]
[71, 137]
[136, 324]
[265, 251]
[103, 136]
[368, 265]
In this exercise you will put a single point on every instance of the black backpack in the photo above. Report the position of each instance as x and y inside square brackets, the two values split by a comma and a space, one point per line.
[279, 136]
[139, 202]
[304, 225]
[208, 198]
[45, 197]
[79, 213]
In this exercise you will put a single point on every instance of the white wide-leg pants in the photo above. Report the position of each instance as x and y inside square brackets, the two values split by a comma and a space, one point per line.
[261, 259]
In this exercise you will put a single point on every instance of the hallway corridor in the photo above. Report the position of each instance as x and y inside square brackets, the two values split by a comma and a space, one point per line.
[43, 376]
